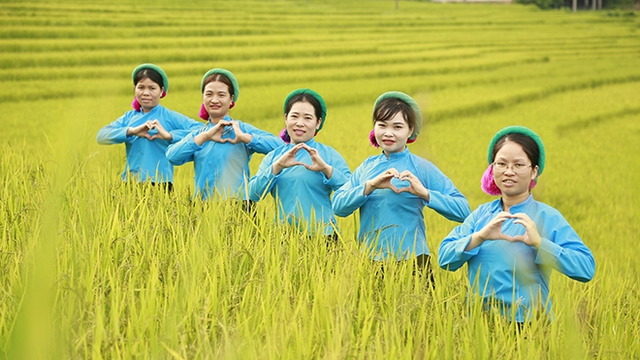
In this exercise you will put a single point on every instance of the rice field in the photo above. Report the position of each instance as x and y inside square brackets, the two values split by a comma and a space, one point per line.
[94, 268]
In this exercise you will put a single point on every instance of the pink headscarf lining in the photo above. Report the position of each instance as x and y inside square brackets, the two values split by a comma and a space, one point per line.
[284, 135]
[372, 139]
[489, 185]
[374, 142]
[203, 114]
[136, 105]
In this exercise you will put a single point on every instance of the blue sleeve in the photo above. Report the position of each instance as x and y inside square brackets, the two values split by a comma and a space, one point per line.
[264, 180]
[183, 125]
[564, 251]
[341, 172]
[451, 254]
[444, 197]
[350, 196]
[182, 151]
[115, 132]
[261, 142]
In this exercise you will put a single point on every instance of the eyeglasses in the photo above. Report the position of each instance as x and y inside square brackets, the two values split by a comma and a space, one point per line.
[502, 166]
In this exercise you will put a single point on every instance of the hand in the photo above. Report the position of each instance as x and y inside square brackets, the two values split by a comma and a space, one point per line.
[241, 136]
[317, 162]
[415, 185]
[382, 181]
[287, 160]
[214, 133]
[151, 130]
[161, 132]
[531, 237]
[493, 230]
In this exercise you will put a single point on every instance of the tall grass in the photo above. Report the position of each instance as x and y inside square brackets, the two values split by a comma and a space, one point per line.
[93, 268]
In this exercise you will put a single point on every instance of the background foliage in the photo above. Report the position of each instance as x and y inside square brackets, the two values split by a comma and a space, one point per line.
[93, 268]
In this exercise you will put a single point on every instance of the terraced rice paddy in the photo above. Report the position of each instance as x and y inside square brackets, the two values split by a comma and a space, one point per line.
[94, 269]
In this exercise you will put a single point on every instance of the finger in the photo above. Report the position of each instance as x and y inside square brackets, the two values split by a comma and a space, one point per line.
[386, 176]
[522, 217]
[394, 172]
[524, 221]
[503, 215]
[505, 236]
[294, 151]
[517, 238]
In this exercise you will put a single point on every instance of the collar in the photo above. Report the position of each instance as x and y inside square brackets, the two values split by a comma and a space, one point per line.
[496, 206]
[311, 143]
[397, 155]
[155, 108]
[226, 118]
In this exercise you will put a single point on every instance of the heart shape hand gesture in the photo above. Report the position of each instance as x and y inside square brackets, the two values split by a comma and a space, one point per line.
[382, 181]
[151, 130]
[224, 127]
[493, 230]
[216, 132]
[386, 181]
[288, 160]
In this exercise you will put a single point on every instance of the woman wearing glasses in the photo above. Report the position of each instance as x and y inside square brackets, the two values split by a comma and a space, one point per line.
[512, 243]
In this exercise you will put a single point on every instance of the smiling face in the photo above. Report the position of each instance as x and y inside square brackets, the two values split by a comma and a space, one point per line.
[392, 134]
[148, 93]
[515, 178]
[301, 122]
[217, 100]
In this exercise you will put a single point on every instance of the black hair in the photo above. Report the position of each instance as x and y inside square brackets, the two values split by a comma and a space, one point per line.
[148, 74]
[389, 107]
[529, 146]
[221, 78]
[308, 98]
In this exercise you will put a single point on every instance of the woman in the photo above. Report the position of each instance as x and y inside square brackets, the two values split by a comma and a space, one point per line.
[302, 174]
[512, 243]
[222, 149]
[391, 189]
[148, 129]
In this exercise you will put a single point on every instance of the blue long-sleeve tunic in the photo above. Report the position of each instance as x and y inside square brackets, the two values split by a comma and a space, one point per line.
[146, 160]
[392, 225]
[514, 274]
[303, 196]
[222, 168]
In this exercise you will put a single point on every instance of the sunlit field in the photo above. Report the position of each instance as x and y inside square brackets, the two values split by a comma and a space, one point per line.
[94, 268]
